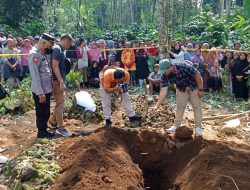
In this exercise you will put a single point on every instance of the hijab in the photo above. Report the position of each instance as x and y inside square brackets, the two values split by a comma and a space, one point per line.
[175, 51]
[94, 54]
[241, 65]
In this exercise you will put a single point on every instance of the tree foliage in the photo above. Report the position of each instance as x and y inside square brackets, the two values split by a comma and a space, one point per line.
[21, 17]
[218, 31]
[215, 21]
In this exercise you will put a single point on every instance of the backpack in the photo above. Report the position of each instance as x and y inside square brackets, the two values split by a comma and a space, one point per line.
[68, 65]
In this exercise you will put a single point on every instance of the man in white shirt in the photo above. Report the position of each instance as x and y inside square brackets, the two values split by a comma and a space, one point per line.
[154, 80]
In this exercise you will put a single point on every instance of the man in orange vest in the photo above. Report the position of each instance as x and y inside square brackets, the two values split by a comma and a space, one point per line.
[115, 80]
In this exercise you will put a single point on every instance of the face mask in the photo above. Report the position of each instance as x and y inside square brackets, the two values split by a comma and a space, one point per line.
[48, 51]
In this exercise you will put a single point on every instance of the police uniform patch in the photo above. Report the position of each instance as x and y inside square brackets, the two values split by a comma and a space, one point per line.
[35, 59]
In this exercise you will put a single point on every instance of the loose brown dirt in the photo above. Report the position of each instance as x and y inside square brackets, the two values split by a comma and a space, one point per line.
[119, 158]
[17, 133]
[112, 158]
[99, 161]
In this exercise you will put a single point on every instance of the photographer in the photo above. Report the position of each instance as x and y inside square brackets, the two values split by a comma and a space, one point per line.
[115, 80]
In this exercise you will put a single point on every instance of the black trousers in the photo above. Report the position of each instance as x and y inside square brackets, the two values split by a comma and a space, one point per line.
[42, 112]
[215, 83]
[156, 88]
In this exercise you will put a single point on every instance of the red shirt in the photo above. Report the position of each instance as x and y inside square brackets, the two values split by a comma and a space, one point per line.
[153, 51]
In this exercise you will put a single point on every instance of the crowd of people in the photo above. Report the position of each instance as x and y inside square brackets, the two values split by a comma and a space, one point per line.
[191, 68]
[218, 68]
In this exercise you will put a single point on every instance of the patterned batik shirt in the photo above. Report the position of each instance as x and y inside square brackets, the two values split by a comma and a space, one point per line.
[183, 77]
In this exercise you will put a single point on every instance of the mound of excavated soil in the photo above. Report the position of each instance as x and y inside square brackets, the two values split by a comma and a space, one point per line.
[108, 159]
[99, 161]
[216, 166]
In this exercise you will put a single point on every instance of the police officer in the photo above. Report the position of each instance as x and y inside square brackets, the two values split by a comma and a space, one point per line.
[41, 87]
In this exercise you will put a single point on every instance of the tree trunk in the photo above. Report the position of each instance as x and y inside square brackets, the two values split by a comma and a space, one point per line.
[112, 12]
[132, 12]
[115, 11]
[137, 9]
[196, 7]
[220, 7]
[183, 12]
[170, 23]
[100, 16]
[79, 15]
[45, 9]
[161, 21]
[246, 6]
[55, 6]
[154, 9]
[228, 7]
[121, 5]
[161, 26]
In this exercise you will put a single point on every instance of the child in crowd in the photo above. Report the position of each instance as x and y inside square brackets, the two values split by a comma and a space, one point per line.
[93, 75]
[215, 80]
[154, 80]
[142, 67]
[198, 61]
[82, 64]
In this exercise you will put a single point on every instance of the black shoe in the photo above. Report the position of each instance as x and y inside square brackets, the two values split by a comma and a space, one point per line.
[108, 123]
[45, 134]
[135, 118]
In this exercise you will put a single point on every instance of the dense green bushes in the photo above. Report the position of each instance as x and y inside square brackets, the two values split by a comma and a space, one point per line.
[218, 31]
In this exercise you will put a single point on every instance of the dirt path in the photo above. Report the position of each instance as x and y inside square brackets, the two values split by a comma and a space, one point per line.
[17, 133]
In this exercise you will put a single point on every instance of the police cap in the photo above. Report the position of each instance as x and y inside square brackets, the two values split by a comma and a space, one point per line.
[48, 37]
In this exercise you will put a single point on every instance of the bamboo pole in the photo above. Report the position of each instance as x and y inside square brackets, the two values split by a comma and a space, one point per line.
[225, 117]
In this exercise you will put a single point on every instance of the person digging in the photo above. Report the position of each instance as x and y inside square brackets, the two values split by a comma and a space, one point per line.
[116, 80]
[189, 88]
